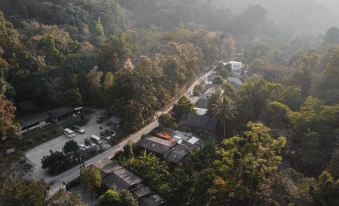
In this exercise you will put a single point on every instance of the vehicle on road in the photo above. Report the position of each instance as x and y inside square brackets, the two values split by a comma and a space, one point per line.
[96, 139]
[69, 133]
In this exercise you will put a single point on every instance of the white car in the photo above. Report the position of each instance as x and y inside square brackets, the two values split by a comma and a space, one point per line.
[82, 147]
[81, 131]
[107, 138]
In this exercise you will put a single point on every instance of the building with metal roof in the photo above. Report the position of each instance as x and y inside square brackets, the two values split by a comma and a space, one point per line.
[140, 191]
[153, 200]
[177, 154]
[60, 113]
[156, 145]
[34, 121]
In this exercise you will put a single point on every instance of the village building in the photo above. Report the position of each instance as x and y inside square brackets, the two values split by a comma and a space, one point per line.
[156, 145]
[116, 177]
[153, 200]
[32, 122]
[177, 154]
[61, 113]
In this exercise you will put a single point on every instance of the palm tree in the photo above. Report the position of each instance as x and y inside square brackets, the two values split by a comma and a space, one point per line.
[224, 110]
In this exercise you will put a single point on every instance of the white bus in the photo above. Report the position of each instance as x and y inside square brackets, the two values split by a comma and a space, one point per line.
[69, 133]
[96, 139]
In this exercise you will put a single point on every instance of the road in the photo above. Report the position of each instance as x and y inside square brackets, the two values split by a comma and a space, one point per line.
[74, 173]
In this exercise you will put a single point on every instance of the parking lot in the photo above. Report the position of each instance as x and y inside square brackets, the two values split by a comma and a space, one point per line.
[35, 155]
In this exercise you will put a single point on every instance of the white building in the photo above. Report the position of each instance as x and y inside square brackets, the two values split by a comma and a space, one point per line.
[236, 67]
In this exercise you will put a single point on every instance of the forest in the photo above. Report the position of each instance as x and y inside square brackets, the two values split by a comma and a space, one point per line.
[278, 134]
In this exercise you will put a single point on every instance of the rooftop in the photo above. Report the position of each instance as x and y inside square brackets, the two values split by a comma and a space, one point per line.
[201, 121]
[177, 154]
[29, 120]
[235, 80]
[156, 145]
[59, 112]
[107, 166]
[141, 191]
[121, 180]
[154, 200]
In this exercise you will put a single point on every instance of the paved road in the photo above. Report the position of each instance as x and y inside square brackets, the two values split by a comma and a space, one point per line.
[35, 154]
[74, 173]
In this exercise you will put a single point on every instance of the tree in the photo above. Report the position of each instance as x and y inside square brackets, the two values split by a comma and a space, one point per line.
[127, 199]
[18, 192]
[327, 88]
[303, 77]
[331, 38]
[256, 66]
[73, 97]
[108, 81]
[71, 149]
[116, 50]
[64, 198]
[167, 120]
[112, 197]
[8, 127]
[277, 114]
[244, 165]
[252, 98]
[225, 110]
[218, 80]
[90, 178]
[100, 31]
[326, 192]
[182, 108]
[56, 162]
[141, 166]
[198, 90]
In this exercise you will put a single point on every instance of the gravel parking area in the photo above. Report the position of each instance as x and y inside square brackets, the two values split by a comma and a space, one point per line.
[35, 155]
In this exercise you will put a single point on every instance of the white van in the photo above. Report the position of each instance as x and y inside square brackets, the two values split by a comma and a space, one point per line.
[69, 133]
[96, 139]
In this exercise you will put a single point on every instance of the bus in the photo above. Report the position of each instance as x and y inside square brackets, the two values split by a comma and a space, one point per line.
[96, 139]
[69, 133]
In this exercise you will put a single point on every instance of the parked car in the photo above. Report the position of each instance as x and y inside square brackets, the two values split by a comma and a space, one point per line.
[108, 138]
[69, 133]
[82, 147]
[96, 139]
[78, 129]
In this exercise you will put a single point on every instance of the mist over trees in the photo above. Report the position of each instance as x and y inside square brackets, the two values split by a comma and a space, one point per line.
[277, 137]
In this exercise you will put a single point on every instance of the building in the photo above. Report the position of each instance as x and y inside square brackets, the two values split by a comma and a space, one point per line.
[235, 82]
[141, 191]
[107, 166]
[116, 177]
[203, 101]
[32, 122]
[156, 145]
[177, 154]
[235, 67]
[61, 113]
[153, 200]
[205, 122]
[121, 180]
